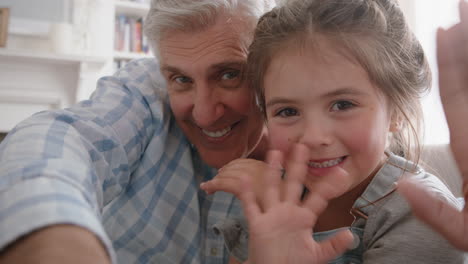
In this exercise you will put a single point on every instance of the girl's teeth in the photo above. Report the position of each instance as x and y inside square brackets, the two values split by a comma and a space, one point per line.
[217, 134]
[326, 164]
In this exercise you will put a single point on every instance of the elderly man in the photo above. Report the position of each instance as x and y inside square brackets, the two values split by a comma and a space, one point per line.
[115, 178]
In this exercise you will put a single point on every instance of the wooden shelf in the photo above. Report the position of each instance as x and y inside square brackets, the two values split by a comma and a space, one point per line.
[119, 55]
[49, 57]
[131, 8]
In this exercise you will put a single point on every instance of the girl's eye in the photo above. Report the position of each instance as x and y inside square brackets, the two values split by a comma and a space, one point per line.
[342, 106]
[287, 112]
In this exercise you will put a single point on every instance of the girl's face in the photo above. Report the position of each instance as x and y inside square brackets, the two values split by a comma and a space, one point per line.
[327, 102]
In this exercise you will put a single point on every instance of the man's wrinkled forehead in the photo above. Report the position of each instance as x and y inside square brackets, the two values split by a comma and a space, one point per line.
[215, 47]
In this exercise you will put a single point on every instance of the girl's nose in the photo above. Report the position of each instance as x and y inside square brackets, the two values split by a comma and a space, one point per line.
[316, 134]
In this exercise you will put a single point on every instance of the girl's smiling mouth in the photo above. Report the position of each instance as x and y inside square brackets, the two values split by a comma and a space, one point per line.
[326, 163]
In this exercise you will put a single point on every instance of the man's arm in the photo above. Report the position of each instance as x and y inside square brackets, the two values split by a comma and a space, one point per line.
[63, 167]
[54, 245]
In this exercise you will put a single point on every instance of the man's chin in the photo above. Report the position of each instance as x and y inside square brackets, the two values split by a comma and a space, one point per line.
[219, 159]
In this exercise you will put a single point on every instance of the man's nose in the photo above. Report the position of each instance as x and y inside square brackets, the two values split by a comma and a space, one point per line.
[208, 106]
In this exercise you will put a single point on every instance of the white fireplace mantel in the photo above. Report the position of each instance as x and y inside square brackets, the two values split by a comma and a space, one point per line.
[33, 81]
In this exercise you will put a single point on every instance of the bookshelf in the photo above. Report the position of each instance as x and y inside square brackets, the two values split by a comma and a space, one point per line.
[129, 42]
[131, 8]
[49, 57]
[57, 80]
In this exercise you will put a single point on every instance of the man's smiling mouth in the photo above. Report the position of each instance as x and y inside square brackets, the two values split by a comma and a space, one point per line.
[219, 133]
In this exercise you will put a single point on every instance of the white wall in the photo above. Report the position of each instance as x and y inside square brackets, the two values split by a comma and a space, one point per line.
[424, 17]
[43, 10]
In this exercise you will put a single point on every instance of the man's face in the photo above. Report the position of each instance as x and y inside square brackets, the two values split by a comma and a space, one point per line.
[208, 94]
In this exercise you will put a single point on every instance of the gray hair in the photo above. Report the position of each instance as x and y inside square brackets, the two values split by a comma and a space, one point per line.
[374, 32]
[196, 15]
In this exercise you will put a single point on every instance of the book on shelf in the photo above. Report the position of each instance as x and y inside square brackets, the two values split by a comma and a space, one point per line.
[129, 35]
[147, 2]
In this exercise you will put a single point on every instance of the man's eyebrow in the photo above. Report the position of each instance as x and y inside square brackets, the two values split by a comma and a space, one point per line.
[167, 68]
[229, 64]
[217, 66]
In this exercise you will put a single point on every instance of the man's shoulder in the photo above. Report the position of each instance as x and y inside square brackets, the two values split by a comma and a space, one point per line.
[143, 73]
[144, 65]
[143, 79]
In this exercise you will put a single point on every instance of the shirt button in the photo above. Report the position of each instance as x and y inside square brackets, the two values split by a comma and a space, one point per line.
[214, 251]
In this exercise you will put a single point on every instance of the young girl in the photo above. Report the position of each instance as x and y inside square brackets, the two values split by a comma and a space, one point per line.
[342, 78]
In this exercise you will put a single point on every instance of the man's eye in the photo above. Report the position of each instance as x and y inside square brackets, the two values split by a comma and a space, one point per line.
[230, 75]
[342, 106]
[287, 112]
[230, 78]
[182, 79]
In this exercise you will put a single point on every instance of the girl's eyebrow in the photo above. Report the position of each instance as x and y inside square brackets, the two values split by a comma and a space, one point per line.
[334, 93]
[278, 100]
[344, 91]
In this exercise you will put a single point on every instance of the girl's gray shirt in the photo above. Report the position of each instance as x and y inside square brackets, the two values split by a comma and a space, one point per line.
[387, 230]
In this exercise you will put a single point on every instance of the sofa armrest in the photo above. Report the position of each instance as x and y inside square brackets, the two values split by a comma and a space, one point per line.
[438, 160]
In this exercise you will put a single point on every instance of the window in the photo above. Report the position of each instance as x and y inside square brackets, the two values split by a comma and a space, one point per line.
[427, 17]
[26, 19]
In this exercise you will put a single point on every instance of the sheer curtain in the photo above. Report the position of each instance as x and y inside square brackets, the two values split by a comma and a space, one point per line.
[425, 17]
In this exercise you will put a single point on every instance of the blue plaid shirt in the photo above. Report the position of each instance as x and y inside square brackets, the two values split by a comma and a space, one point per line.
[118, 165]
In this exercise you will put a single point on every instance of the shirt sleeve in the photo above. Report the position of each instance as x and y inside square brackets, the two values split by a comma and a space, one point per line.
[236, 237]
[394, 235]
[64, 166]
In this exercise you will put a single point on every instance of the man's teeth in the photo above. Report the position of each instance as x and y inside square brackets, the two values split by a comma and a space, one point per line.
[326, 164]
[217, 134]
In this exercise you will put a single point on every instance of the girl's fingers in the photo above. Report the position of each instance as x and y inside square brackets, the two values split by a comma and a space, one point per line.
[272, 182]
[296, 173]
[325, 188]
[333, 184]
[229, 180]
[335, 246]
[451, 73]
[315, 203]
[436, 213]
[226, 184]
[452, 60]
[249, 204]
[239, 164]
[275, 159]
[463, 11]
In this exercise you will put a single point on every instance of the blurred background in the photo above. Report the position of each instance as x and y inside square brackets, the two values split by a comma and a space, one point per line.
[53, 51]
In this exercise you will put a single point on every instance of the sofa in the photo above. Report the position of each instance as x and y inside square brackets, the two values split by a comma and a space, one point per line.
[438, 160]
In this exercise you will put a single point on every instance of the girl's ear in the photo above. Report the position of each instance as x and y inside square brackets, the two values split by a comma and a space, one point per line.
[396, 123]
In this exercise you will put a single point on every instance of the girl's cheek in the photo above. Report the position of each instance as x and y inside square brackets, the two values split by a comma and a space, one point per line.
[280, 140]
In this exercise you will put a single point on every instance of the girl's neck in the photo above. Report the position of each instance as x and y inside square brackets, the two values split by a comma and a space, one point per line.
[338, 213]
